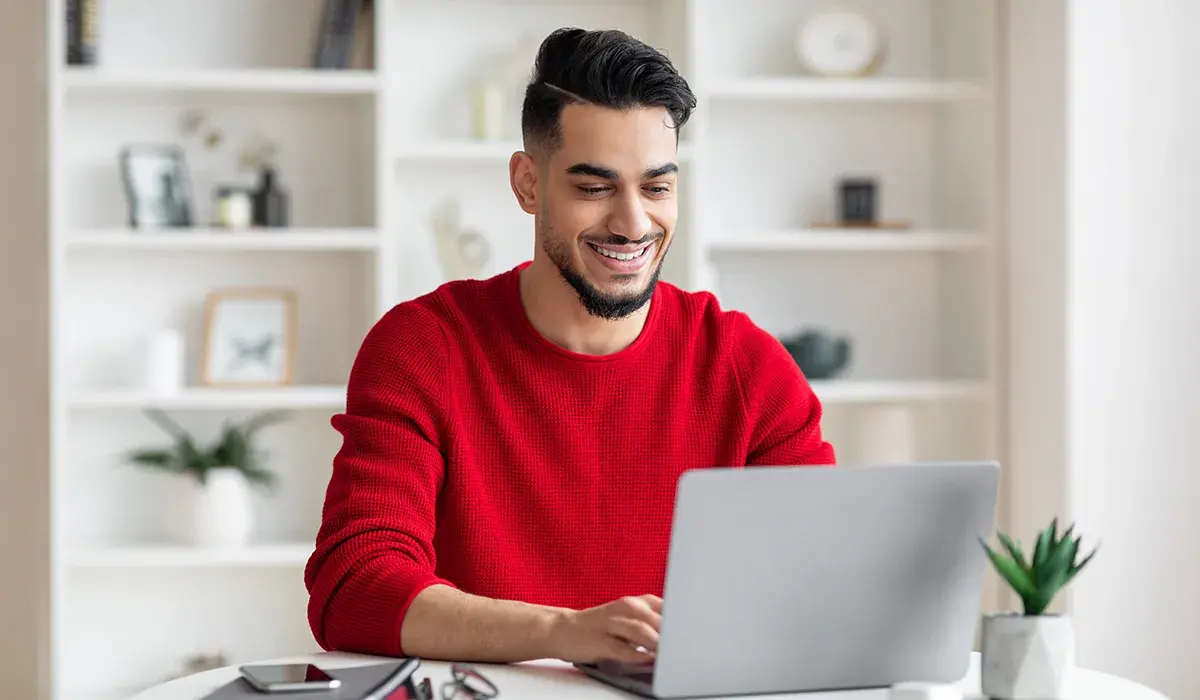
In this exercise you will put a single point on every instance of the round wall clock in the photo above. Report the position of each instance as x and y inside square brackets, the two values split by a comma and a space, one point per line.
[840, 43]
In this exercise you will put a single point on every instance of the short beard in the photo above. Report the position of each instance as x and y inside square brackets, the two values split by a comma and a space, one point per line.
[597, 303]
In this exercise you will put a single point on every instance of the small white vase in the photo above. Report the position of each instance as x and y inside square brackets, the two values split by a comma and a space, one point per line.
[164, 365]
[222, 514]
[1027, 657]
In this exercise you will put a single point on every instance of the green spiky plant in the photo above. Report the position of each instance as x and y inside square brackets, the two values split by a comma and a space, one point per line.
[233, 448]
[1055, 562]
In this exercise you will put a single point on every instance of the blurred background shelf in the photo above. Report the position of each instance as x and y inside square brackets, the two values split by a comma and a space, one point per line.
[847, 240]
[462, 150]
[839, 90]
[865, 391]
[167, 556]
[473, 151]
[289, 81]
[205, 398]
[201, 239]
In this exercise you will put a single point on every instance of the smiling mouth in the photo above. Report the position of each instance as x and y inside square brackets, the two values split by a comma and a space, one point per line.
[626, 258]
[618, 255]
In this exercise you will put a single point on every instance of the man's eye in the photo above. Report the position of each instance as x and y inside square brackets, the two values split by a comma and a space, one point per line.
[659, 189]
[594, 190]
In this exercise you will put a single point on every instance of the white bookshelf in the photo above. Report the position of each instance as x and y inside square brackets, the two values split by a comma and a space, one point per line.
[166, 557]
[213, 239]
[845, 240]
[302, 82]
[367, 154]
[847, 90]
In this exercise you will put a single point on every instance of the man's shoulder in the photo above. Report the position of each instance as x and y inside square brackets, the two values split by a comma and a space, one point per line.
[452, 305]
[706, 322]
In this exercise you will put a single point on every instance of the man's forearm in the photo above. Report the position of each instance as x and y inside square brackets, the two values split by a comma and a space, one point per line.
[444, 623]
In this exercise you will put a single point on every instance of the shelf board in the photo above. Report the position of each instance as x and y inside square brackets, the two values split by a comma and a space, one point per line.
[224, 239]
[211, 398]
[839, 89]
[463, 150]
[847, 240]
[842, 391]
[293, 81]
[165, 556]
[467, 150]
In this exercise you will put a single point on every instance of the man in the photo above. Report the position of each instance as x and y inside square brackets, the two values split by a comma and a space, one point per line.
[506, 483]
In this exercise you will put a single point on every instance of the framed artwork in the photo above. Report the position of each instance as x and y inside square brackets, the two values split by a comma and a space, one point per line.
[249, 337]
[158, 188]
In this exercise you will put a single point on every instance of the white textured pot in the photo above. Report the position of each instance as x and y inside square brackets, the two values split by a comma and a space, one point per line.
[1027, 657]
[222, 514]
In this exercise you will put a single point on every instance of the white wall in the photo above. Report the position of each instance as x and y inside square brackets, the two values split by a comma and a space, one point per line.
[1134, 329]
[24, 428]
[1106, 316]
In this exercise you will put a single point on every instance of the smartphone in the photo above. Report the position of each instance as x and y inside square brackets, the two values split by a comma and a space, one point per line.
[283, 678]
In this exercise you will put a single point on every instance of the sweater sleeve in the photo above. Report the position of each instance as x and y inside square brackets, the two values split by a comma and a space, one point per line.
[784, 412]
[374, 550]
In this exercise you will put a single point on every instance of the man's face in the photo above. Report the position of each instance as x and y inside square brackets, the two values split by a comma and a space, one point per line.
[608, 205]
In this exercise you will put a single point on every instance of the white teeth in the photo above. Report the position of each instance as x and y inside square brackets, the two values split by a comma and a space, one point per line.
[619, 256]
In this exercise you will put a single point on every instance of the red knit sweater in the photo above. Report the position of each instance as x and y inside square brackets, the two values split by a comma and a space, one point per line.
[479, 455]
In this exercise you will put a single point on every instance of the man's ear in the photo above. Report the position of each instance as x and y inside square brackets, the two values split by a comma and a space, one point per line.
[523, 175]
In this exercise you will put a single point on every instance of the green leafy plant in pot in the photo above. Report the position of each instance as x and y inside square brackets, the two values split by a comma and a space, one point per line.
[1028, 656]
[220, 474]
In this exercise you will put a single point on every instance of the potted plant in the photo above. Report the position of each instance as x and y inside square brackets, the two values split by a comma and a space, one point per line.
[1028, 656]
[219, 476]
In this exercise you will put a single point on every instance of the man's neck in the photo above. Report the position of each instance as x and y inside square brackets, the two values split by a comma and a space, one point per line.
[554, 310]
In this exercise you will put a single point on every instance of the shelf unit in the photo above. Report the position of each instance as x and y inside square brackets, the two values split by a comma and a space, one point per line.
[845, 240]
[200, 239]
[368, 154]
[301, 82]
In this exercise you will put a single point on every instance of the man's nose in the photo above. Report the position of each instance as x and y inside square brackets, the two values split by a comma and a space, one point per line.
[630, 219]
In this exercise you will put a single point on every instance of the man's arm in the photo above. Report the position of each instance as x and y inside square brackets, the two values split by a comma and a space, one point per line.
[446, 623]
[784, 412]
[371, 581]
[374, 550]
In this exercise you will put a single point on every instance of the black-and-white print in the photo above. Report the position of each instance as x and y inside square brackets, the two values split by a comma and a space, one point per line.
[249, 337]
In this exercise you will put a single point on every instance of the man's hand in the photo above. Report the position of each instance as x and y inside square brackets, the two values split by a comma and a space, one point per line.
[613, 631]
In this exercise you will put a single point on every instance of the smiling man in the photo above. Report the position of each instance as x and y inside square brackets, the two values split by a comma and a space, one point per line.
[511, 446]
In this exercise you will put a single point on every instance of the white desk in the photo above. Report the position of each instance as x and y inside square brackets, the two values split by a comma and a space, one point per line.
[555, 680]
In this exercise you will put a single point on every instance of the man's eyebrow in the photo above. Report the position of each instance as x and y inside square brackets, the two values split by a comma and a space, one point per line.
[593, 170]
[610, 174]
[660, 170]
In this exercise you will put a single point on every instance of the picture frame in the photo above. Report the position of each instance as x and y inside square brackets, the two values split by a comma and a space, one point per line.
[158, 188]
[249, 337]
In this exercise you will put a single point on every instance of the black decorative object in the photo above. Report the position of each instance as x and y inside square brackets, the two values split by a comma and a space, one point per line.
[819, 355]
[157, 186]
[271, 202]
[859, 201]
[82, 21]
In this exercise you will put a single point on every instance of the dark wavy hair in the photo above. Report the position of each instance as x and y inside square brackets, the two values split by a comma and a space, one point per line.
[603, 67]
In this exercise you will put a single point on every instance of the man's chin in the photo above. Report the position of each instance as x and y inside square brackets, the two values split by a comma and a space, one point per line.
[616, 296]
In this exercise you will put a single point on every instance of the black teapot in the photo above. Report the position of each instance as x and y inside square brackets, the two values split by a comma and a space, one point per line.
[820, 356]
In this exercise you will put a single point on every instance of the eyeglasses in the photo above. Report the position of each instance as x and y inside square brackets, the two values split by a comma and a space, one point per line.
[465, 683]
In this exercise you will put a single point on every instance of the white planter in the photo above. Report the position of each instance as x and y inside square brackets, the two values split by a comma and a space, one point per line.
[222, 514]
[1027, 657]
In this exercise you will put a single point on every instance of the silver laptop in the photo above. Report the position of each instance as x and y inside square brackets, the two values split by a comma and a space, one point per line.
[794, 579]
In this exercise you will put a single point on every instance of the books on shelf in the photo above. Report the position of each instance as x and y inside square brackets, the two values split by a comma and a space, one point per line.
[345, 35]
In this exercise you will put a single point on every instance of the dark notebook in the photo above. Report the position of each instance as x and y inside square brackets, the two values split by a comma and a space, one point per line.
[357, 682]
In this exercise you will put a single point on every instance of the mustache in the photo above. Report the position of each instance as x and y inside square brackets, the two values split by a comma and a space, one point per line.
[622, 240]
